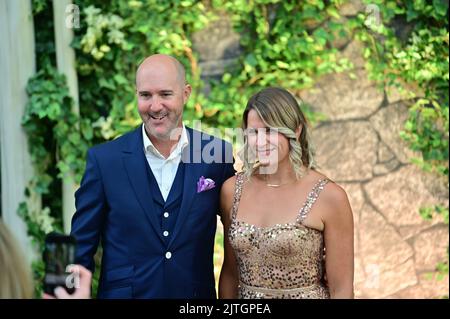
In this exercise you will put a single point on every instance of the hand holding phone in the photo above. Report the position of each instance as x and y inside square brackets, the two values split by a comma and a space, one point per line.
[59, 254]
[84, 290]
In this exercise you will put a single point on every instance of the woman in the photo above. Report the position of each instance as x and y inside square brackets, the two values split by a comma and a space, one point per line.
[280, 213]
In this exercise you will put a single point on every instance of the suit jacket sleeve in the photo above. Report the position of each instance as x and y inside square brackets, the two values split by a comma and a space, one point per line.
[87, 223]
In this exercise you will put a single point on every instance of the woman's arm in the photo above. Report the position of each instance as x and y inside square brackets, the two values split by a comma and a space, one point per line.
[338, 232]
[228, 282]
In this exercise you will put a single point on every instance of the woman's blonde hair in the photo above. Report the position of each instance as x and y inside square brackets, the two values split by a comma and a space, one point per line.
[279, 110]
[15, 275]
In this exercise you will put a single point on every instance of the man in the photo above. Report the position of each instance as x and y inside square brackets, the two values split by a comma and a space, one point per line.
[151, 197]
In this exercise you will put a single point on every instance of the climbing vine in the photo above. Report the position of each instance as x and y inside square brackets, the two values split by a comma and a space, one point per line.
[407, 48]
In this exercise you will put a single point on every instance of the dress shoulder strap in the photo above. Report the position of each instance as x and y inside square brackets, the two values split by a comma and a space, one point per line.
[237, 194]
[311, 199]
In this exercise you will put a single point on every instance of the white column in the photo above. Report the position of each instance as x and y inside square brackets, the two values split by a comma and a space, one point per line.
[17, 65]
[65, 57]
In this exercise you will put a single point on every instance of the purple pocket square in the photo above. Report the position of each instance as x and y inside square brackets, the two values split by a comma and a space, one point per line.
[204, 184]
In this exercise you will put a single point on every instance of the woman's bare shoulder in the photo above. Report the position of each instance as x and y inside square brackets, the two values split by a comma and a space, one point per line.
[228, 185]
[226, 196]
[333, 193]
[227, 190]
[336, 206]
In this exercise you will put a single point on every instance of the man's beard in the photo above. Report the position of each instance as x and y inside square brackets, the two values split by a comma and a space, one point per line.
[172, 132]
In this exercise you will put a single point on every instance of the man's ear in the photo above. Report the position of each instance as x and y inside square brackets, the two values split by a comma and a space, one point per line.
[298, 131]
[186, 93]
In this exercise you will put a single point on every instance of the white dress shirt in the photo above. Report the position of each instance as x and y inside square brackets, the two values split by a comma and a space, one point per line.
[164, 169]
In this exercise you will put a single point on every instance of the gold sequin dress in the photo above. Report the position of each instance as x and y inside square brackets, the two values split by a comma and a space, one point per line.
[282, 261]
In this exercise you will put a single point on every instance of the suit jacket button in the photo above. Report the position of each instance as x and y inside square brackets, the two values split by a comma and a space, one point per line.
[168, 255]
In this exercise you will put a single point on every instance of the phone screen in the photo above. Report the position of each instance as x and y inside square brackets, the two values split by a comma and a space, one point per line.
[58, 254]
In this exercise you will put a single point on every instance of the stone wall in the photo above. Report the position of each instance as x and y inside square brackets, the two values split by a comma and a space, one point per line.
[359, 147]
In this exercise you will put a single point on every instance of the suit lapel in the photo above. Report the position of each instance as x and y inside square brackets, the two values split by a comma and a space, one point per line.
[177, 186]
[191, 172]
[136, 167]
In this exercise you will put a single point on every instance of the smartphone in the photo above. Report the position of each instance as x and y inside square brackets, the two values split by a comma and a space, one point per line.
[59, 252]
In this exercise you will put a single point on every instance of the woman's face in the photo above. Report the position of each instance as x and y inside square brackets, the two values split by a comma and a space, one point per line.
[266, 144]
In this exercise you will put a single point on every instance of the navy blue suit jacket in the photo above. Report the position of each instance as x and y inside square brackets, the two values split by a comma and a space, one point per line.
[114, 207]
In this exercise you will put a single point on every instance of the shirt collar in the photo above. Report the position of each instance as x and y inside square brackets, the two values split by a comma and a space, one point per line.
[149, 147]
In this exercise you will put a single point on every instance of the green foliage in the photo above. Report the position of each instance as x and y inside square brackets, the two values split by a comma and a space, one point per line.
[442, 269]
[417, 64]
[284, 43]
[218, 255]
[427, 213]
[39, 6]
[50, 125]
[57, 146]
[50, 103]
[114, 38]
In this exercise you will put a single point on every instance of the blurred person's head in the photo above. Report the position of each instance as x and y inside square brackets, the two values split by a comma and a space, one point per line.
[276, 132]
[15, 275]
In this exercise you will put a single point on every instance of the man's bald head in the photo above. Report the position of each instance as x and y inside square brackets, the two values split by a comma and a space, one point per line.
[163, 62]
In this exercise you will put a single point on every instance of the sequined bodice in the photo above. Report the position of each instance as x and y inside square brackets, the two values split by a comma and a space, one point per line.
[282, 261]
